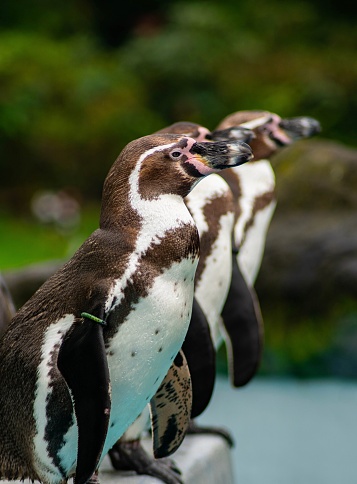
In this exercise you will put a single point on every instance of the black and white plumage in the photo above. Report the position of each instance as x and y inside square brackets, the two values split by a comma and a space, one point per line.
[83, 357]
[254, 193]
[211, 206]
[7, 307]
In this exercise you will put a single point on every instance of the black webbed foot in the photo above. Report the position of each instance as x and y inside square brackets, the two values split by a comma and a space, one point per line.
[194, 429]
[93, 480]
[130, 455]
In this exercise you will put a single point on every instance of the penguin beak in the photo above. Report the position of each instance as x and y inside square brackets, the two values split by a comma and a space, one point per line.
[300, 127]
[220, 155]
[236, 133]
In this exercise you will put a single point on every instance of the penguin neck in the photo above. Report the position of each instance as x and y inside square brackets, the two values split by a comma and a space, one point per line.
[258, 175]
[145, 223]
[125, 207]
[263, 148]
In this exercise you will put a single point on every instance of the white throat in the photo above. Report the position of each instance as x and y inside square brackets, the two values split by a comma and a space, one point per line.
[158, 215]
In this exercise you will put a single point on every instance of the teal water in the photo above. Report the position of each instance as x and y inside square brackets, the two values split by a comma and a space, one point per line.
[289, 431]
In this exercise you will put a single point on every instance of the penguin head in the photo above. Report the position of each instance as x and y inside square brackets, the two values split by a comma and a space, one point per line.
[186, 128]
[270, 130]
[200, 133]
[169, 163]
[181, 161]
[238, 133]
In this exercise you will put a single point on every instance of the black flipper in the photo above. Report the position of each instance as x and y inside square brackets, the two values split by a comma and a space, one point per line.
[201, 358]
[243, 325]
[171, 409]
[83, 364]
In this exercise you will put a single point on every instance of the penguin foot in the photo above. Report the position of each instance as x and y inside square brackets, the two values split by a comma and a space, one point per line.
[193, 429]
[94, 479]
[130, 455]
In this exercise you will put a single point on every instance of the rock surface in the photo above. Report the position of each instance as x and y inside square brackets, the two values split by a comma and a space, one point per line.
[201, 459]
[311, 250]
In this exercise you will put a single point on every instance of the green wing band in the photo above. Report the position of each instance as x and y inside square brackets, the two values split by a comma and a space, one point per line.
[93, 318]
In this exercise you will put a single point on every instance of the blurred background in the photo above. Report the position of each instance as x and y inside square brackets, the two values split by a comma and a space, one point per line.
[81, 79]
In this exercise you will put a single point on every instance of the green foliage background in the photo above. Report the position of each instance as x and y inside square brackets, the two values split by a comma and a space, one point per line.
[80, 79]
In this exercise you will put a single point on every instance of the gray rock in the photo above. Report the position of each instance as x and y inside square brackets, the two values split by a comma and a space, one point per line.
[310, 256]
[311, 249]
[316, 175]
[201, 459]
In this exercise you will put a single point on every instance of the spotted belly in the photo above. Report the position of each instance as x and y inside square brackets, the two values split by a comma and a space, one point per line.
[143, 349]
[139, 356]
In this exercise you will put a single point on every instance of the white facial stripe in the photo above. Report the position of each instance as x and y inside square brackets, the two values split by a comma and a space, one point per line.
[255, 123]
[158, 215]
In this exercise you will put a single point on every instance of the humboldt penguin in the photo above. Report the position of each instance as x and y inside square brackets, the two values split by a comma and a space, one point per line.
[212, 208]
[253, 188]
[101, 338]
[7, 307]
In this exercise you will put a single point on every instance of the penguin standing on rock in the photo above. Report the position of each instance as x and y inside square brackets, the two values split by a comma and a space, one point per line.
[253, 188]
[211, 205]
[216, 208]
[82, 358]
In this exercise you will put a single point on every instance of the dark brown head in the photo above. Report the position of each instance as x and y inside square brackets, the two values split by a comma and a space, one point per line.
[271, 131]
[165, 164]
[238, 133]
[186, 128]
[200, 133]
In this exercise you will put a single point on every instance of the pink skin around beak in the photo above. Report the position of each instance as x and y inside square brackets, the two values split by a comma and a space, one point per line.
[192, 160]
[203, 132]
[274, 128]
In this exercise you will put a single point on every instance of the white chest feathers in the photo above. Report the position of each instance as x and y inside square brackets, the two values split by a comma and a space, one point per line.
[257, 203]
[142, 351]
[213, 284]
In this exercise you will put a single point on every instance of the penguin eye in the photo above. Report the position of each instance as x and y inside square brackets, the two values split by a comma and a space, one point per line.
[175, 154]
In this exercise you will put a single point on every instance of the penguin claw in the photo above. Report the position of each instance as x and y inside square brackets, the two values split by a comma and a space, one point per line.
[194, 429]
[94, 479]
[130, 455]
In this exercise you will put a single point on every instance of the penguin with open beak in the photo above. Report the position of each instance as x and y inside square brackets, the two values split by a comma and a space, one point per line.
[101, 338]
